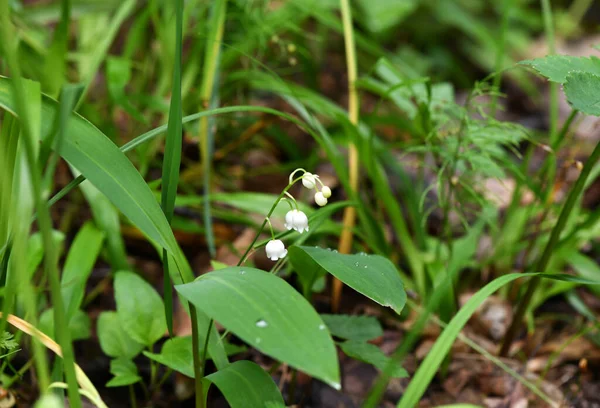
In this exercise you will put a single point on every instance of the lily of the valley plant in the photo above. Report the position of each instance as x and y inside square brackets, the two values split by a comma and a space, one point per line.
[296, 219]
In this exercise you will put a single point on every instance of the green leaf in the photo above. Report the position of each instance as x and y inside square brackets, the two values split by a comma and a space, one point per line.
[81, 259]
[359, 328]
[114, 341]
[267, 313]
[35, 250]
[372, 275]
[7, 341]
[104, 165]
[583, 92]
[371, 354]
[172, 159]
[177, 354]
[140, 308]
[125, 372]
[245, 384]
[584, 266]
[381, 15]
[80, 325]
[106, 218]
[438, 352]
[557, 67]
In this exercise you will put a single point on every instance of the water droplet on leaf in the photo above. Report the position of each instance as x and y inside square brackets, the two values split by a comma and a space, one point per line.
[261, 323]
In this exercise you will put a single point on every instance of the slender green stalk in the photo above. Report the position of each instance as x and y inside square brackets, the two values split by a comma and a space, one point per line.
[349, 218]
[172, 158]
[549, 250]
[198, 361]
[500, 54]
[43, 214]
[551, 41]
[207, 97]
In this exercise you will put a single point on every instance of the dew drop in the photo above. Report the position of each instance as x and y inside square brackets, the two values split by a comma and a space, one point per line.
[242, 272]
[356, 264]
[258, 340]
[321, 327]
[335, 251]
[261, 323]
[365, 266]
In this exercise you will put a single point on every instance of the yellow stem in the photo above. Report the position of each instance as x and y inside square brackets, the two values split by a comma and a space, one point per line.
[349, 219]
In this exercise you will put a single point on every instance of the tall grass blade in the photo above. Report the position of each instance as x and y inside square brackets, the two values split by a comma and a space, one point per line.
[172, 158]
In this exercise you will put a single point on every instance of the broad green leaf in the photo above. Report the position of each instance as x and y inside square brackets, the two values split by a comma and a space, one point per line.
[177, 354]
[245, 384]
[81, 259]
[557, 67]
[371, 354]
[583, 92]
[125, 372]
[104, 165]
[140, 308]
[80, 325]
[267, 313]
[372, 275]
[360, 328]
[114, 341]
[106, 218]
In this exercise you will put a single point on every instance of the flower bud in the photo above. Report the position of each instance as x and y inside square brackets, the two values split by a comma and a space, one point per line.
[326, 192]
[309, 180]
[320, 199]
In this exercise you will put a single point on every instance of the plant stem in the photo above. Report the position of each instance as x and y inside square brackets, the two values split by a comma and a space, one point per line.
[549, 250]
[198, 362]
[500, 51]
[206, 132]
[349, 217]
[550, 39]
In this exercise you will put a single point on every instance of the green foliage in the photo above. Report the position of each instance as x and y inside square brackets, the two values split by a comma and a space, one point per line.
[113, 337]
[124, 371]
[357, 328]
[176, 353]
[7, 342]
[557, 67]
[371, 354]
[245, 384]
[80, 325]
[582, 90]
[139, 308]
[372, 275]
[268, 314]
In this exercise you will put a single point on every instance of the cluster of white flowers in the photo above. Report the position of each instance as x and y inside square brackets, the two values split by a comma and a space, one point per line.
[296, 219]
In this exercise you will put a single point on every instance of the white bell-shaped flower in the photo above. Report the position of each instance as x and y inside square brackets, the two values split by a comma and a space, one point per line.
[275, 249]
[309, 180]
[296, 220]
[326, 191]
[320, 198]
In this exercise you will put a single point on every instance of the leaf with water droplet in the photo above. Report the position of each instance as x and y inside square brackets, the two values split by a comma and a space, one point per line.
[265, 311]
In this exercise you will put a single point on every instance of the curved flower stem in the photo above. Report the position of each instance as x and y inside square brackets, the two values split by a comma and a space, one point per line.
[349, 218]
[200, 372]
[270, 227]
[549, 250]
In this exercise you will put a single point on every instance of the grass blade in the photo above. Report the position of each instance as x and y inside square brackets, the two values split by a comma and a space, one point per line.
[208, 97]
[172, 159]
